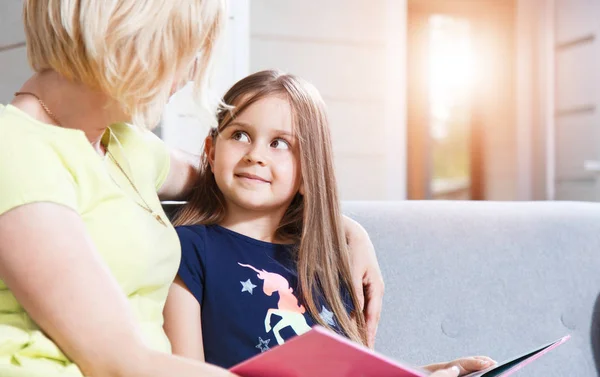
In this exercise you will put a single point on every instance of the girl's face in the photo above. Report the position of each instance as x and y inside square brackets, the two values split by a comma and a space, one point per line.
[255, 159]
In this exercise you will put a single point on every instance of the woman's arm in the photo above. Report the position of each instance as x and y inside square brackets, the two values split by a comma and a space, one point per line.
[366, 275]
[182, 322]
[183, 173]
[465, 365]
[50, 264]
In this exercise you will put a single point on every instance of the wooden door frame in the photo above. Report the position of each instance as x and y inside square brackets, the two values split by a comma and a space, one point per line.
[418, 146]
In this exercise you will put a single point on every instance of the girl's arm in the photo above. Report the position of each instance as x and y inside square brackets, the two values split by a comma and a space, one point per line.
[50, 264]
[182, 322]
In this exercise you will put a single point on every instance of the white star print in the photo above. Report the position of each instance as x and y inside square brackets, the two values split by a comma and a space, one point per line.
[263, 345]
[327, 316]
[247, 286]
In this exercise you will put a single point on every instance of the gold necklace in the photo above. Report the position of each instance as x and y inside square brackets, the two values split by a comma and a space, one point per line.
[46, 109]
[145, 206]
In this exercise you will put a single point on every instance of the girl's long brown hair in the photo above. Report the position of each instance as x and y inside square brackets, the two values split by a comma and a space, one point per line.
[313, 220]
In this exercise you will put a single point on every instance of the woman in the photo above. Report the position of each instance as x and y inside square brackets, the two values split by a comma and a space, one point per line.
[86, 252]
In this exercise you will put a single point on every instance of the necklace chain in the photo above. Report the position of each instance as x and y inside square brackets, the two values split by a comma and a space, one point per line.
[145, 206]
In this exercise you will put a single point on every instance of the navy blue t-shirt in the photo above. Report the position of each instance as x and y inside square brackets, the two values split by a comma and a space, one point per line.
[247, 290]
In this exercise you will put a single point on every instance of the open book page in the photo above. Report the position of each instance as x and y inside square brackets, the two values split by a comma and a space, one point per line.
[510, 366]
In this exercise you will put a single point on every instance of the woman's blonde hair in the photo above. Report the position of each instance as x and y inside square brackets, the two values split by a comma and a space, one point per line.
[132, 50]
[313, 220]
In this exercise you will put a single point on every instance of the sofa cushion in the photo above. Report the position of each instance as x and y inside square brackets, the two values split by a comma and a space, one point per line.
[470, 278]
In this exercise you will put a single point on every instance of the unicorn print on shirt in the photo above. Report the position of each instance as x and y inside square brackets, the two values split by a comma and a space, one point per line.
[292, 314]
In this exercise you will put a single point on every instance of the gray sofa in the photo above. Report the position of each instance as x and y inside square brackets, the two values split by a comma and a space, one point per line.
[471, 278]
[466, 278]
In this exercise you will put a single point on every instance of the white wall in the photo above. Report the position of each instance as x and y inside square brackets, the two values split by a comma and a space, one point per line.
[13, 57]
[577, 100]
[180, 128]
[353, 52]
[563, 55]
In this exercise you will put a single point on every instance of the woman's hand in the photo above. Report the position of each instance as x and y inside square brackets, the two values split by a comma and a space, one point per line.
[451, 372]
[366, 275]
[465, 365]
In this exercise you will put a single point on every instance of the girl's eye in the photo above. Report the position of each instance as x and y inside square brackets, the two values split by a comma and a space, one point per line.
[241, 136]
[280, 144]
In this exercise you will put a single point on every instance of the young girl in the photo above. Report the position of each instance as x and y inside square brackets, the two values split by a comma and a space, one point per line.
[264, 255]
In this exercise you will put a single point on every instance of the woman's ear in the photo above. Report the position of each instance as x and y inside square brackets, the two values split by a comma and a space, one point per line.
[209, 150]
[301, 189]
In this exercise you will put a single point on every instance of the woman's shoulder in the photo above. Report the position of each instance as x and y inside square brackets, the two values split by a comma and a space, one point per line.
[22, 131]
[38, 162]
[37, 145]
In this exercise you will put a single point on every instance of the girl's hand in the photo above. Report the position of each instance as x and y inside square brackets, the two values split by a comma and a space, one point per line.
[465, 365]
[366, 275]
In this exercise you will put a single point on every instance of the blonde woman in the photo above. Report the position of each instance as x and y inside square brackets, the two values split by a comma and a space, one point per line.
[86, 252]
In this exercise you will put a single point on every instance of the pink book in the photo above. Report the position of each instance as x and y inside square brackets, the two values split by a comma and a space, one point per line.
[320, 352]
